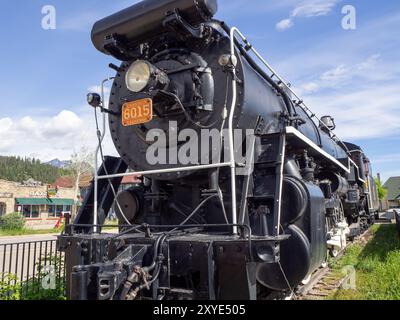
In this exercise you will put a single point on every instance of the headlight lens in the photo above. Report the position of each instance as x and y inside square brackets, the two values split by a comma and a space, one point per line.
[138, 76]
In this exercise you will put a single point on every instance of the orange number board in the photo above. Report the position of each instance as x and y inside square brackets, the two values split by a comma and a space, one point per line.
[137, 112]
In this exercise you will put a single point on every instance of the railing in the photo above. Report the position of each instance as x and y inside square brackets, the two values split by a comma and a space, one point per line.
[31, 267]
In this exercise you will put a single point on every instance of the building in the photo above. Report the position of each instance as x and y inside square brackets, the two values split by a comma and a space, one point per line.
[84, 184]
[40, 204]
[393, 196]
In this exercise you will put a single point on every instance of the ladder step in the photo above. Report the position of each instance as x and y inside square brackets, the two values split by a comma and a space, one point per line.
[266, 163]
[263, 197]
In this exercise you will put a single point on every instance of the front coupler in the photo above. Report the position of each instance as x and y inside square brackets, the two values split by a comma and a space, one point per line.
[104, 267]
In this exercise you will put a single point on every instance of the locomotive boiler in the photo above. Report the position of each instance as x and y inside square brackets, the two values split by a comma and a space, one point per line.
[244, 190]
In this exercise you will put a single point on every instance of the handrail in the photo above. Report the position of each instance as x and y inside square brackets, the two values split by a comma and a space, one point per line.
[101, 136]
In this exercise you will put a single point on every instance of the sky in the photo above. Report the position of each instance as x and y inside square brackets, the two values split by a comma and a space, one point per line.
[353, 75]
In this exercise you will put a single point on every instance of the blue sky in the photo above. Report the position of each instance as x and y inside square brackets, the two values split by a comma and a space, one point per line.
[353, 75]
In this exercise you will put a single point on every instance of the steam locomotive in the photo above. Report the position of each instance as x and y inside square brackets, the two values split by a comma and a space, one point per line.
[218, 227]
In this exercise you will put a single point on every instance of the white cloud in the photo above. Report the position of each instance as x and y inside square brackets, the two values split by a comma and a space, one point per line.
[307, 9]
[47, 138]
[65, 124]
[343, 74]
[308, 87]
[314, 8]
[371, 112]
[370, 63]
[339, 73]
[5, 124]
[284, 24]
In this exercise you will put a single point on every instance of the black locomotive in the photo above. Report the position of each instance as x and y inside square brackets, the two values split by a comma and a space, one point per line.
[201, 230]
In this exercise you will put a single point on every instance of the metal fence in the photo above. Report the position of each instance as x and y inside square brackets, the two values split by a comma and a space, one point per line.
[29, 263]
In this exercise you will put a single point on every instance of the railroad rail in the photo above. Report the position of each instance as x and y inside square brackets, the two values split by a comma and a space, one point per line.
[325, 281]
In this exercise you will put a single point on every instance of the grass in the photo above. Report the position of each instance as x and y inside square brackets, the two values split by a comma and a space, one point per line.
[377, 266]
[111, 222]
[26, 232]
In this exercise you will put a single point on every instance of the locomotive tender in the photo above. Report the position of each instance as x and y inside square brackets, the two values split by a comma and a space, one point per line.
[204, 231]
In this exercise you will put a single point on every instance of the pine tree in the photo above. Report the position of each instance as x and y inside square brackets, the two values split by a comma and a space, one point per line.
[19, 169]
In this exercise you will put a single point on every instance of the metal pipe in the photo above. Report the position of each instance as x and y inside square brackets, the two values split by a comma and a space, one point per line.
[96, 168]
[150, 172]
[278, 202]
[234, 30]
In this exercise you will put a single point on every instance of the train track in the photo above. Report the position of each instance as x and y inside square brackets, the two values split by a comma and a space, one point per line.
[325, 281]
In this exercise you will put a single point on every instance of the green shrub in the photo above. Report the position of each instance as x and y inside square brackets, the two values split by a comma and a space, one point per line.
[38, 288]
[10, 287]
[12, 221]
[33, 289]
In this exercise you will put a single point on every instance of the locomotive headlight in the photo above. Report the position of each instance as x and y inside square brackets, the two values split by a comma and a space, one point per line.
[138, 76]
[94, 100]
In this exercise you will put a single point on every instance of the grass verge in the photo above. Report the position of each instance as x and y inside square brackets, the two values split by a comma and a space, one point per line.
[26, 232]
[377, 266]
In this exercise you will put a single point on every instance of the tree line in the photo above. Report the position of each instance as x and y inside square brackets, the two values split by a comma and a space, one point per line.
[19, 169]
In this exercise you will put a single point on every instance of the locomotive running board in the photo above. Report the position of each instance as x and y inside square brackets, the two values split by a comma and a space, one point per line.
[298, 138]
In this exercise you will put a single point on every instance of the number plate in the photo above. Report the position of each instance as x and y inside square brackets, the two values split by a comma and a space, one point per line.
[137, 112]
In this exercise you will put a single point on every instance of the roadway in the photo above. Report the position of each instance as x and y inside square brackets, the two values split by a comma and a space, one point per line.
[28, 238]
[20, 255]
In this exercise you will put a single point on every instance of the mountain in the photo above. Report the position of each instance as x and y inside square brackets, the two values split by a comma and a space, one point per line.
[20, 169]
[60, 164]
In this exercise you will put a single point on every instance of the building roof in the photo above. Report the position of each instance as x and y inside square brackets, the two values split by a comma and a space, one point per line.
[86, 180]
[131, 180]
[68, 181]
[393, 187]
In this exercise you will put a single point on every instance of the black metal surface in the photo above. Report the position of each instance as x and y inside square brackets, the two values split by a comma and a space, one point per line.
[180, 244]
[206, 261]
[144, 20]
[397, 216]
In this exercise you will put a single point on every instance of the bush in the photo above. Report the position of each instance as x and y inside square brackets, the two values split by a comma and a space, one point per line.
[10, 288]
[33, 289]
[48, 283]
[13, 221]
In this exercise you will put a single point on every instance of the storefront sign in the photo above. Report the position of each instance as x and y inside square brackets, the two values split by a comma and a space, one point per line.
[38, 194]
[52, 192]
[6, 195]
